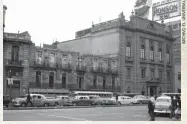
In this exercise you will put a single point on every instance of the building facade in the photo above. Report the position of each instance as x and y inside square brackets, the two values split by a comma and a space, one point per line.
[16, 51]
[118, 55]
[176, 34]
[142, 46]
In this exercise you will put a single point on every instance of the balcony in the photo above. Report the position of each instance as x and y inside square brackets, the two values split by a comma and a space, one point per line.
[113, 70]
[11, 63]
[66, 67]
[81, 68]
[153, 80]
[97, 69]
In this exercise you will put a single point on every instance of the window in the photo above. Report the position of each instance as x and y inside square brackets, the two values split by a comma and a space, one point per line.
[104, 82]
[104, 63]
[128, 72]
[63, 80]
[52, 58]
[15, 54]
[113, 64]
[64, 59]
[152, 73]
[39, 57]
[95, 82]
[79, 62]
[151, 53]
[160, 74]
[142, 52]
[143, 72]
[39, 97]
[113, 82]
[179, 76]
[167, 54]
[168, 75]
[128, 50]
[160, 54]
[38, 78]
[95, 64]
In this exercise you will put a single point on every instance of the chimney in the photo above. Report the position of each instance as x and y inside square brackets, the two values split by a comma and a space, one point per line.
[4, 12]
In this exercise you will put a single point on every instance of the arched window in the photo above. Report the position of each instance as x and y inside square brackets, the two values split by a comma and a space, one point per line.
[151, 53]
[160, 54]
[128, 50]
[142, 52]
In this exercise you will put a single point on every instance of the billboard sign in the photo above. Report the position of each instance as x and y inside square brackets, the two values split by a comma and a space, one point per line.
[142, 7]
[165, 9]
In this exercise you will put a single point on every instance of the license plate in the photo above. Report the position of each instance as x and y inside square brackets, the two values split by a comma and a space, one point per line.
[160, 109]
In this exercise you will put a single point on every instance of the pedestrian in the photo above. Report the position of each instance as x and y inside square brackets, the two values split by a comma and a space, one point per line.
[29, 100]
[178, 107]
[151, 108]
[116, 98]
[172, 107]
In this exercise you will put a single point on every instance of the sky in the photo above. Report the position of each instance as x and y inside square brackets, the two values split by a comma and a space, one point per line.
[51, 20]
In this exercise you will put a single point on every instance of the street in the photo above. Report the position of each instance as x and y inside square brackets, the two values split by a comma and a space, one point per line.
[125, 113]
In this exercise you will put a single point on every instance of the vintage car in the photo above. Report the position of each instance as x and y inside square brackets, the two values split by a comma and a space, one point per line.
[36, 99]
[82, 101]
[109, 102]
[97, 100]
[124, 100]
[64, 100]
[140, 99]
[162, 104]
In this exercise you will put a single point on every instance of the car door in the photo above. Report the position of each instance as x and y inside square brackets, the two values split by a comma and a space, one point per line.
[33, 99]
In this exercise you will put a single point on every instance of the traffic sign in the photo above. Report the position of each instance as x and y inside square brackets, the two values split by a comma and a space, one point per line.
[10, 81]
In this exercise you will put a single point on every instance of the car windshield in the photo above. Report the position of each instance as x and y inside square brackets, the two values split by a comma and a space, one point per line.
[162, 100]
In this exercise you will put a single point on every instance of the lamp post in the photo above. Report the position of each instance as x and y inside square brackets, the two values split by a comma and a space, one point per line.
[10, 83]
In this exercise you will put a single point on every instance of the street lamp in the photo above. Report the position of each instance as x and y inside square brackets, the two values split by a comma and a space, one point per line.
[10, 83]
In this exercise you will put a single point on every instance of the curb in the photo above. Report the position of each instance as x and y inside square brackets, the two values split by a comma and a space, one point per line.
[68, 107]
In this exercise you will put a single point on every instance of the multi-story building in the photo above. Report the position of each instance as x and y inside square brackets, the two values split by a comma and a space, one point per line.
[176, 34]
[16, 58]
[142, 46]
[128, 56]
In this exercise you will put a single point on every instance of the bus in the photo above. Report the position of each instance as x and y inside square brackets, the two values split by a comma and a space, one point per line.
[92, 93]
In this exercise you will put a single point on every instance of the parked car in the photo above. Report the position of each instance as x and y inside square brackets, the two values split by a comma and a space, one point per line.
[109, 102]
[162, 104]
[64, 100]
[6, 100]
[82, 101]
[97, 100]
[36, 99]
[140, 99]
[125, 100]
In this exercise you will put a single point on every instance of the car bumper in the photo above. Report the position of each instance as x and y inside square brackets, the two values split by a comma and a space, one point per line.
[162, 111]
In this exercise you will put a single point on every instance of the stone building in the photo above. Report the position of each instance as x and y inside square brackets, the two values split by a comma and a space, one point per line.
[118, 55]
[16, 51]
[142, 46]
[176, 34]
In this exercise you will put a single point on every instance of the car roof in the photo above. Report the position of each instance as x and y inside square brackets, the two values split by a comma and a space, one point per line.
[164, 97]
[62, 96]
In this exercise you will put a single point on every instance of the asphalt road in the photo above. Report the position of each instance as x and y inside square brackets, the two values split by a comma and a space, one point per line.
[125, 113]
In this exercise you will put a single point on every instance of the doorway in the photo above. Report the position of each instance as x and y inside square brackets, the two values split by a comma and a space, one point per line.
[51, 80]
[152, 90]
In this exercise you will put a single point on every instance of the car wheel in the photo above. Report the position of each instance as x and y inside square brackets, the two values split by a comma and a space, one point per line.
[23, 104]
[131, 103]
[74, 104]
[140, 102]
[46, 105]
[56, 104]
[119, 103]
